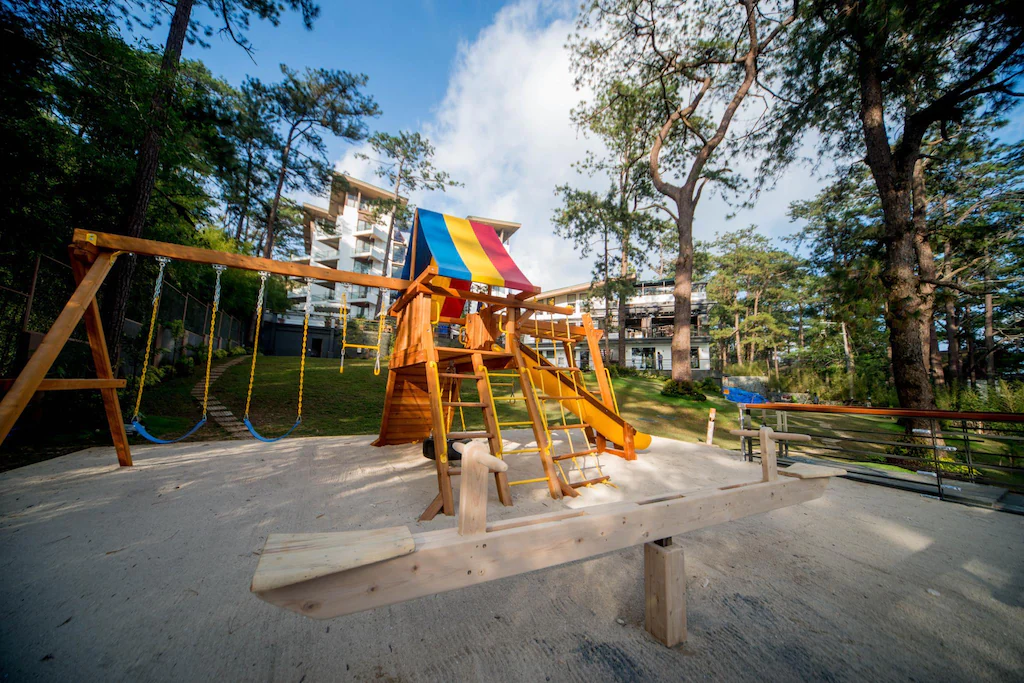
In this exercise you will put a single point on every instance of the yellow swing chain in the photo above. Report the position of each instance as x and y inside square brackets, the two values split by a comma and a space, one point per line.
[209, 347]
[256, 339]
[163, 261]
[380, 335]
[344, 330]
[305, 332]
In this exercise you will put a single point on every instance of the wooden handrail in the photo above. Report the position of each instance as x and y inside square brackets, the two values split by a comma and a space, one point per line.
[888, 412]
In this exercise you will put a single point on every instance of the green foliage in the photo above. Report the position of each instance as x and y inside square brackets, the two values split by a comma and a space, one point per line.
[220, 354]
[687, 390]
[185, 367]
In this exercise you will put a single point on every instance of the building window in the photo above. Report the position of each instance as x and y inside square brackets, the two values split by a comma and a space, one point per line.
[351, 199]
[695, 359]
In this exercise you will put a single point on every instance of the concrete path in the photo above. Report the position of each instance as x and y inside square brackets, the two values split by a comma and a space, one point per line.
[127, 574]
[217, 410]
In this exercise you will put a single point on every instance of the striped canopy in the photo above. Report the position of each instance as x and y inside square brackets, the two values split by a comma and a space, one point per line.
[462, 250]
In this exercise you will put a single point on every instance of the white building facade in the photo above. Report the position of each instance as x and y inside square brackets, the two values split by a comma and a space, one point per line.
[648, 326]
[345, 236]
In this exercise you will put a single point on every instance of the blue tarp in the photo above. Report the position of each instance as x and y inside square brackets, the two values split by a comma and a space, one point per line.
[741, 396]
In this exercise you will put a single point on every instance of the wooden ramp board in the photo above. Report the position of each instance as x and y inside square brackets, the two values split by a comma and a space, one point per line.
[589, 408]
[288, 559]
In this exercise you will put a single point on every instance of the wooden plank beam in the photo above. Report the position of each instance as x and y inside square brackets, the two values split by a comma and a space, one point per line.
[509, 301]
[444, 560]
[71, 384]
[28, 381]
[106, 241]
[101, 361]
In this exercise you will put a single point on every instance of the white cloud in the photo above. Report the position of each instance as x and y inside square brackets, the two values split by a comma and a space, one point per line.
[504, 130]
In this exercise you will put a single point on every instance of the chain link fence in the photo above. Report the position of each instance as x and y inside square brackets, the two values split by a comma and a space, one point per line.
[32, 295]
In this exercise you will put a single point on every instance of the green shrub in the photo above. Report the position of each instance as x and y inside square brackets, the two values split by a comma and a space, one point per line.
[185, 367]
[220, 354]
[238, 351]
[685, 390]
[708, 386]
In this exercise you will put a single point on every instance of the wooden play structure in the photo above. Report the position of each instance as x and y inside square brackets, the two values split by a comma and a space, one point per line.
[447, 257]
[328, 575]
[450, 277]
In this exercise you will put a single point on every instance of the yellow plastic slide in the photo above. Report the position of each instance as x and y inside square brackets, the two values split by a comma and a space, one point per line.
[590, 409]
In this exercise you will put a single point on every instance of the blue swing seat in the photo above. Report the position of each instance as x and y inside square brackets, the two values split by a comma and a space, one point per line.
[252, 430]
[141, 431]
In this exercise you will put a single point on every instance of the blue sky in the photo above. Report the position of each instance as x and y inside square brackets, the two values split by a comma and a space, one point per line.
[407, 64]
[490, 85]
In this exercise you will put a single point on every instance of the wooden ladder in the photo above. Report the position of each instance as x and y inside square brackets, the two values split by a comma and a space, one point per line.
[448, 397]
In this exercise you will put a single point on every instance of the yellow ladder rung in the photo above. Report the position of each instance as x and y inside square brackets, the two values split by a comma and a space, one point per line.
[509, 398]
[522, 450]
[527, 481]
[504, 374]
[360, 346]
[523, 423]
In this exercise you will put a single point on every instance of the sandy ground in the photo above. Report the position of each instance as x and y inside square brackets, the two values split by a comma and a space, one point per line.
[143, 573]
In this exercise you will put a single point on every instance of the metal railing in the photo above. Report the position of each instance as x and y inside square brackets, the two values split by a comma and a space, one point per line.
[970, 457]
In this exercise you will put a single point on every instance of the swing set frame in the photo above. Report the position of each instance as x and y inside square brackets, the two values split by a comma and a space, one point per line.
[92, 256]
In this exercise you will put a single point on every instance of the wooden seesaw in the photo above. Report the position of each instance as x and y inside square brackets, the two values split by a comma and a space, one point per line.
[326, 575]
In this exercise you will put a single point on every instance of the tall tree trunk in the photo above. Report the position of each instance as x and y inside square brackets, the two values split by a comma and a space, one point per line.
[990, 340]
[848, 353]
[607, 305]
[681, 371]
[739, 344]
[623, 264]
[927, 271]
[955, 373]
[268, 244]
[391, 236]
[146, 165]
[936, 357]
[970, 370]
[892, 177]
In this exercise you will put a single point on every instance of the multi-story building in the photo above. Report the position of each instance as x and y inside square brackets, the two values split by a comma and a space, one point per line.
[648, 325]
[345, 236]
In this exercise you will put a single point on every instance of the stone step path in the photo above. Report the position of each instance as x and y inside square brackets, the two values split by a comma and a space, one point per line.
[217, 410]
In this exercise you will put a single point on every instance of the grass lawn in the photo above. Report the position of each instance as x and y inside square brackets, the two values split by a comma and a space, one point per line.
[352, 402]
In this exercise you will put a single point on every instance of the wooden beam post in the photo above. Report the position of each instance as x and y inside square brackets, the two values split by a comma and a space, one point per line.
[665, 592]
[594, 346]
[769, 464]
[490, 412]
[476, 464]
[711, 427]
[101, 361]
[15, 400]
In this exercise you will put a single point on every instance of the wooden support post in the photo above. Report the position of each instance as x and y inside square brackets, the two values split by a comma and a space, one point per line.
[769, 465]
[594, 346]
[444, 483]
[476, 464]
[491, 426]
[711, 427]
[101, 360]
[15, 400]
[665, 592]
